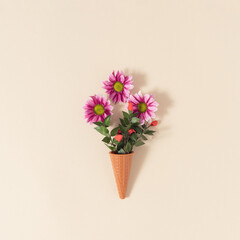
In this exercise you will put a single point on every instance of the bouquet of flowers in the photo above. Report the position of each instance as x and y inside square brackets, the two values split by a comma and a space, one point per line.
[132, 128]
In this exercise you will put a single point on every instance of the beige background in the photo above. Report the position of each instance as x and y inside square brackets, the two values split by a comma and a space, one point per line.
[56, 181]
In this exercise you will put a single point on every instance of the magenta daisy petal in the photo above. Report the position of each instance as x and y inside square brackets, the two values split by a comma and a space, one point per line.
[97, 109]
[144, 105]
[118, 87]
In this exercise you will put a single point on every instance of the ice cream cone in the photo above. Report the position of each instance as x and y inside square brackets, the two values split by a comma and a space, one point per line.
[121, 164]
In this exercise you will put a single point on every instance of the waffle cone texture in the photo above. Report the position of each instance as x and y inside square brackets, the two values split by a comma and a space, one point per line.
[121, 164]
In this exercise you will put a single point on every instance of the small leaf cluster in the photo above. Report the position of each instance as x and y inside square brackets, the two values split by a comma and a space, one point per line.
[135, 137]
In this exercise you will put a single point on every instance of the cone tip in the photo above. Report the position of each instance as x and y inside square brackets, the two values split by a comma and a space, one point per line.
[121, 195]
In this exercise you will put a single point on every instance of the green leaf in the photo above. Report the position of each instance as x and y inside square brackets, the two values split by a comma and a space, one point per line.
[130, 112]
[139, 143]
[134, 136]
[131, 141]
[138, 129]
[122, 122]
[128, 147]
[99, 123]
[107, 121]
[144, 138]
[120, 145]
[126, 115]
[110, 147]
[136, 124]
[106, 139]
[122, 129]
[126, 121]
[149, 132]
[115, 141]
[121, 151]
[135, 114]
[135, 120]
[103, 130]
[114, 131]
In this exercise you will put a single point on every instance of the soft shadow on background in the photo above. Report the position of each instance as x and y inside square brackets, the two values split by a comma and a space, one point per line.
[165, 103]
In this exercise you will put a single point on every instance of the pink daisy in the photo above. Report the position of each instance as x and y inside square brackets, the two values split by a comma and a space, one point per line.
[118, 86]
[97, 109]
[144, 105]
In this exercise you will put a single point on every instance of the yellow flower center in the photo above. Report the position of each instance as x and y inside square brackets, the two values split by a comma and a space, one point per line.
[99, 109]
[142, 107]
[118, 86]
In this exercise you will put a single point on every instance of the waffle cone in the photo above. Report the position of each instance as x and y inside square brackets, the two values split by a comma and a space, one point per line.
[121, 164]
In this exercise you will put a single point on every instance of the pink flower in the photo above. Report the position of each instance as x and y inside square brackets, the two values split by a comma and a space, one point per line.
[97, 109]
[118, 87]
[144, 105]
[118, 137]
